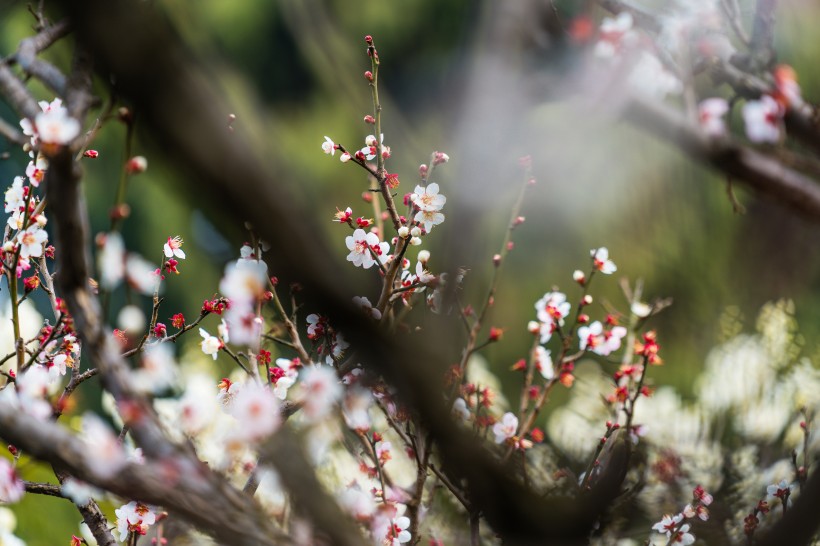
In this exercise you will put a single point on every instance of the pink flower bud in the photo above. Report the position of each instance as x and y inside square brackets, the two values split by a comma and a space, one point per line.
[136, 165]
[91, 154]
[368, 118]
[368, 39]
[422, 170]
[368, 75]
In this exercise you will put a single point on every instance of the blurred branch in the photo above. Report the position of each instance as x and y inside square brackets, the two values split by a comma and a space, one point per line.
[44, 71]
[759, 171]
[184, 487]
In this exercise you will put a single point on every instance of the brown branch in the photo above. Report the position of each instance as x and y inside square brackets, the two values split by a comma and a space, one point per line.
[757, 170]
[44, 71]
[183, 486]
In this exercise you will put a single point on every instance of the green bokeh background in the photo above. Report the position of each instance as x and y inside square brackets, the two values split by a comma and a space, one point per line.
[294, 68]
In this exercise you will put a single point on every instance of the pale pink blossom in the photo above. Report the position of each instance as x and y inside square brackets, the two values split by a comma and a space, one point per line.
[111, 261]
[257, 411]
[506, 428]
[174, 248]
[428, 219]
[362, 246]
[11, 486]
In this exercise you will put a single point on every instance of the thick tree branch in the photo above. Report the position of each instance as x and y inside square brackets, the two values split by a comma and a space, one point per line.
[184, 487]
[763, 173]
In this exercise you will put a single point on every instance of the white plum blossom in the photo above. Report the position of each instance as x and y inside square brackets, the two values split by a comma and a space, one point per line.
[551, 311]
[328, 146]
[505, 428]
[32, 390]
[428, 219]
[543, 363]
[362, 246]
[134, 517]
[667, 524]
[601, 261]
[357, 503]
[36, 170]
[710, 115]
[173, 248]
[398, 533]
[428, 198]
[594, 338]
[281, 386]
[320, 391]
[763, 120]
[31, 241]
[210, 344]
[11, 486]
[196, 407]
[370, 150]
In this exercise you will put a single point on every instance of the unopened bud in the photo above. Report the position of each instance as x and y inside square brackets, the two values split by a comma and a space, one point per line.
[367, 197]
[368, 118]
[136, 165]
[424, 256]
[440, 157]
[423, 170]
[587, 300]
[533, 327]
[368, 75]
[368, 39]
[416, 231]
[120, 211]
[404, 232]
[415, 241]
[497, 260]
[579, 277]
[91, 154]
[125, 115]
[583, 318]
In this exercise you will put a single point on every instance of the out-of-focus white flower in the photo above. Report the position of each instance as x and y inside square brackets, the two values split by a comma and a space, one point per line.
[11, 487]
[131, 319]
[79, 492]
[158, 370]
[461, 410]
[651, 79]
[543, 363]
[763, 119]
[8, 522]
[328, 146]
[355, 409]
[197, 407]
[601, 261]
[32, 389]
[56, 127]
[257, 411]
[111, 261]
[615, 34]
[640, 309]
[320, 391]
[142, 275]
[104, 451]
[710, 114]
[210, 344]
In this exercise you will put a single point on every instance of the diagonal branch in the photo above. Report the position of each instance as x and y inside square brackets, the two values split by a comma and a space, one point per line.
[757, 170]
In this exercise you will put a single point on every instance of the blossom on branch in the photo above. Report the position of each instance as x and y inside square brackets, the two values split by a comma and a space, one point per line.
[363, 246]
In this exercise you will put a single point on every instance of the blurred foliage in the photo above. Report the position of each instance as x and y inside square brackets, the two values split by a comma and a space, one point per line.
[297, 65]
